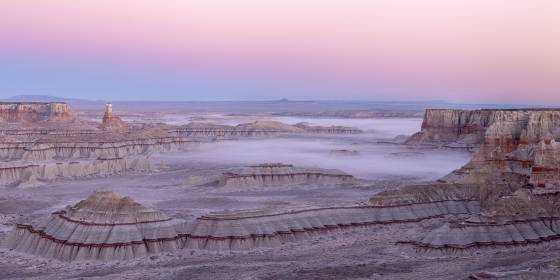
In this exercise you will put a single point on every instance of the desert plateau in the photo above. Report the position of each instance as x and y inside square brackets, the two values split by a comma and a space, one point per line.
[280, 140]
[97, 194]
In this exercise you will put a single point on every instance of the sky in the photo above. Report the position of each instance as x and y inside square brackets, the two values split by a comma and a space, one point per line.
[470, 51]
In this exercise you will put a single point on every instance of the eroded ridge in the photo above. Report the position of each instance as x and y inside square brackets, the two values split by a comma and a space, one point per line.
[258, 128]
[519, 219]
[105, 226]
[278, 174]
[516, 168]
[249, 229]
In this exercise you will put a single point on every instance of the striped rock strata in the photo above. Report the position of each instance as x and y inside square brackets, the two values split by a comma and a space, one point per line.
[31, 173]
[248, 230]
[244, 230]
[522, 218]
[467, 128]
[35, 112]
[278, 174]
[517, 171]
[106, 226]
[68, 148]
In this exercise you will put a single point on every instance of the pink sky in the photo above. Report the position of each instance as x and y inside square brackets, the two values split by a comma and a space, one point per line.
[457, 50]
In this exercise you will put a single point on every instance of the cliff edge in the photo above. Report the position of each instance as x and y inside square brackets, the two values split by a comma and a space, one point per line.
[34, 112]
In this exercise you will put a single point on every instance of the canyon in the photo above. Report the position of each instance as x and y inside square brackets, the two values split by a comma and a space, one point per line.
[202, 198]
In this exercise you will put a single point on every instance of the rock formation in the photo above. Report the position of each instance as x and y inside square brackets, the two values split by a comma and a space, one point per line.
[516, 171]
[335, 129]
[51, 147]
[462, 128]
[278, 174]
[35, 112]
[258, 128]
[31, 173]
[105, 226]
[243, 230]
[111, 122]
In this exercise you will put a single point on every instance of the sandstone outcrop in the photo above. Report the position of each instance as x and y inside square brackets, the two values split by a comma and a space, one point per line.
[35, 112]
[334, 129]
[464, 128]
[278, 174]
[31, 173]
[245, 230]
[68, 148]
[516, 171]
[105, 226]
[255, 129]
[111, 122]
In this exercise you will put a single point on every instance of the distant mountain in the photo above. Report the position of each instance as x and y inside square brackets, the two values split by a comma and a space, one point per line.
[44, 98]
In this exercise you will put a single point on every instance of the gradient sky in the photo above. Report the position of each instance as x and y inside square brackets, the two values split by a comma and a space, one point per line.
[500, 51]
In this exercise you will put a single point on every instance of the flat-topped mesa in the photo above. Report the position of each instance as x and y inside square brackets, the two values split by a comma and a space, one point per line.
[466, 128]
[334, 129]
[258, 128]
[105, 226]
[278, 174]
[111, 122]
[35, 112]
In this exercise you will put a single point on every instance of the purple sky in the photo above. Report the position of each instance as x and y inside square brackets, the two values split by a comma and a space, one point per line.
[500, 51]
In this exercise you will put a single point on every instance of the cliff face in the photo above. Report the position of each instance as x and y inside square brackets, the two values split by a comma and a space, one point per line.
[31, 112]
[467, 128]
[520, 144]
[515, 171]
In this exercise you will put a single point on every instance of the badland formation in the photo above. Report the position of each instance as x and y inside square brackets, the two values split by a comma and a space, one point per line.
[507, 196]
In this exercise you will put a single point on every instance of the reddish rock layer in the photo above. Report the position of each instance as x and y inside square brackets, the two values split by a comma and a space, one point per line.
[33, 112]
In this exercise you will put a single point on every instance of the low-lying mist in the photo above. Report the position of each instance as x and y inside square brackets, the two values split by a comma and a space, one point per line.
[369, 161]
[381, 127]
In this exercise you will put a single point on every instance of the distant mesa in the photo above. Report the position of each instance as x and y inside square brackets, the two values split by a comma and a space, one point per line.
[335, 129]
[35, 112]
[344, 152]
[105, 226]
[257, 128]
[279, 174]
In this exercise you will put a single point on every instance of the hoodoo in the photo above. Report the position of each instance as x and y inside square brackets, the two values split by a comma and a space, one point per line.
[105, 226]
[111, 122]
